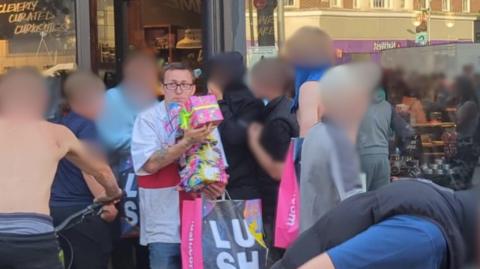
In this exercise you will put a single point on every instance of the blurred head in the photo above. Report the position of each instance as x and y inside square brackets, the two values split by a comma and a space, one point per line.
[141, 76]
[84, 94]
[346, 92]
[23, 92]
[271, 78]
[309, 46]
[178, 83]
[465, 90]
[225, 69]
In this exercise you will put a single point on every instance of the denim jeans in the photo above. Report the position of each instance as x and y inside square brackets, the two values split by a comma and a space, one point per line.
[165, 256]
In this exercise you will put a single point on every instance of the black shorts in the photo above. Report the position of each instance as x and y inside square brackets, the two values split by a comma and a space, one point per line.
[90, 240]
[29, 251]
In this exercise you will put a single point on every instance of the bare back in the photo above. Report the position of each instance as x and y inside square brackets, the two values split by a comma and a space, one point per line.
[29, 155]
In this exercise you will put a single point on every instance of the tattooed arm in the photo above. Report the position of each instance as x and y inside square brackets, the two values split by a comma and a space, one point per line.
[166, 156]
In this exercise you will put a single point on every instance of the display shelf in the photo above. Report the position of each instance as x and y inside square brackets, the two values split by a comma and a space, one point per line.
[435, 125]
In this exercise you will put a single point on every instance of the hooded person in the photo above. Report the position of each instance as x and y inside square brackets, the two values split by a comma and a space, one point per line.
[380, 123]
[330, 169]
[225, 79]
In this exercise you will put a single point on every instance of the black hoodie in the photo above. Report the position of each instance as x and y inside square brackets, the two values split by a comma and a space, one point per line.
[455, 213]
[239, 109]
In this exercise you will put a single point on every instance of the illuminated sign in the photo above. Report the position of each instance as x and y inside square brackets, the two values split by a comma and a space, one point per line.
[384, 45]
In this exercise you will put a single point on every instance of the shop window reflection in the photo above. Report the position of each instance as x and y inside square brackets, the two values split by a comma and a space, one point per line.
[106, 34]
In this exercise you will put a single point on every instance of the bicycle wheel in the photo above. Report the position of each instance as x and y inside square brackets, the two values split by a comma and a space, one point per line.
[66, 251]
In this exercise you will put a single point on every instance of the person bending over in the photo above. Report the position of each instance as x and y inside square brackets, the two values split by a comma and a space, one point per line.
[411, 224]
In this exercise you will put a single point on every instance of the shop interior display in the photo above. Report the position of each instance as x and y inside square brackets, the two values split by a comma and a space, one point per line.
[429, 153]
[174, 43]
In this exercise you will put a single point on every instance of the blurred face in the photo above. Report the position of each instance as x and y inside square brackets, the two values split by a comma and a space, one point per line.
[141, 75]
[350, 110]
[178, 86]
[23, 95]
[259, 88]
[89, 103]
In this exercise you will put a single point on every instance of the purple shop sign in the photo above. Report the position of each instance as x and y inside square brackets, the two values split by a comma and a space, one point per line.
[348, 48]
[369, 46]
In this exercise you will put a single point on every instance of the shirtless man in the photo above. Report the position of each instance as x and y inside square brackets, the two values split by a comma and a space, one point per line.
[30, 149]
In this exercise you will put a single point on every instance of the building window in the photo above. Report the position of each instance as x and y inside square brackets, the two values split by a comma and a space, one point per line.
[445, 5]
[426, 4]
[335, 3]
[289, 3]
[466, 6]
[45, 39]
[380, 3]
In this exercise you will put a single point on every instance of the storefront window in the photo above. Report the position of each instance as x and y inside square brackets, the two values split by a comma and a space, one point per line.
[38, 33]
[173, 29]
[262, 29]
[431, 77]
[106, 34]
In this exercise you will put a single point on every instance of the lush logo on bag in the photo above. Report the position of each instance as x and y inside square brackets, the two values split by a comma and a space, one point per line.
[191, 239]
[292, 213]
[225, 259]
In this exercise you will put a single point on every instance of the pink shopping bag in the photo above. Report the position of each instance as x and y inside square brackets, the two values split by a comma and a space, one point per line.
[191, 247]
[287, 224]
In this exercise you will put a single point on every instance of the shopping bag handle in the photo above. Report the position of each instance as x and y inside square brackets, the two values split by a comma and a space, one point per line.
[226, 195]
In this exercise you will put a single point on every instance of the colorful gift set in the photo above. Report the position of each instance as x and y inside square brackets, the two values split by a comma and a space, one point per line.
[200, 111]
[203, 164]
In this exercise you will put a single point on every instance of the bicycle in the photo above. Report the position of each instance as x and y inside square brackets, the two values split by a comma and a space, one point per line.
[77, 218]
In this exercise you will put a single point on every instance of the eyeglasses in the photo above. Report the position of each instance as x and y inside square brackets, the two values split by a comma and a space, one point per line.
[175, 86]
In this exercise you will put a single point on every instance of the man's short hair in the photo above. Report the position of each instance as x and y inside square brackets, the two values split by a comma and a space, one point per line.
[138, 56]
[80, 81]
[274, 71]
[309, 46]
[347, 81]
[177, 66]
[22, 73]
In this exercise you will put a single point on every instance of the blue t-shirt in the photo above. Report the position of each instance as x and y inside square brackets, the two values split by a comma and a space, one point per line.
[399, 242]
[69, 187]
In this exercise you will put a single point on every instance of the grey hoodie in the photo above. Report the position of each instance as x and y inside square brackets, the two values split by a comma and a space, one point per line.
[375, 131]
[330, 172]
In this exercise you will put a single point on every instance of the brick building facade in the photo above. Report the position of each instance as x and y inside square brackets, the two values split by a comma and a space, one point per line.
[365, 27]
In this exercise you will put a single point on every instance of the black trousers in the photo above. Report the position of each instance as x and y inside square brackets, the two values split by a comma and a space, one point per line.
[274, 254]
[127, 252]
[29, 252]
[91, 240]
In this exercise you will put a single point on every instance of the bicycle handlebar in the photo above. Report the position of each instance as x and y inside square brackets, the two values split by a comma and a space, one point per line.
[92, 209]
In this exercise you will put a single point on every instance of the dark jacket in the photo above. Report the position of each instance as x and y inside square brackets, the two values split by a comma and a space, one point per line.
[280, 126]
[239, 109]
[455, 213]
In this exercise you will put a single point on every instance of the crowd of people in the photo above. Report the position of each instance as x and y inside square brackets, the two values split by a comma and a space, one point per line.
[344, 114]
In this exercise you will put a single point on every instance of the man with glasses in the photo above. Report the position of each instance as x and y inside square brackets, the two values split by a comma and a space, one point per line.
[156, 147]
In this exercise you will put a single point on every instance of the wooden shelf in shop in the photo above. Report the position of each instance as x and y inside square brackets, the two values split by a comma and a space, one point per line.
[435, 125]
[434, 153]
[433, 144]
